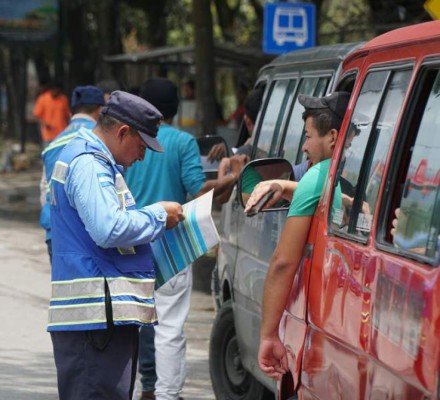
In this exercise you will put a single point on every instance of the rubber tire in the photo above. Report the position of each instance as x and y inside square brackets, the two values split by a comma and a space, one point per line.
[230, 381]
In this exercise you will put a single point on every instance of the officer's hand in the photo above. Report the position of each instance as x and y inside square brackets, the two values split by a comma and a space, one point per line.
[174, 213]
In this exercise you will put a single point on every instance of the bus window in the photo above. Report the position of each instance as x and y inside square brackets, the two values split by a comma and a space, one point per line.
[273, 116]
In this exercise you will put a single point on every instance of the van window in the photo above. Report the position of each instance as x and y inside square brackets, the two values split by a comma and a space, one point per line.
[418, 224]
[366, 147]
[281, 93]
[293, 138]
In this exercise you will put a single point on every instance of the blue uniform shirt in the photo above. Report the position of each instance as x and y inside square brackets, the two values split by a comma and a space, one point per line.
[107, 225]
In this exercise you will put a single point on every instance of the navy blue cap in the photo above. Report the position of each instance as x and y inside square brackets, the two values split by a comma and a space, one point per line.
[138, 114]
[87, 95]
[337, 102]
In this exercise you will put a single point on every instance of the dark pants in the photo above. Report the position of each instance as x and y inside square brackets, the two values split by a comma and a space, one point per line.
[49, 249]
[147, 361]
[91, 367]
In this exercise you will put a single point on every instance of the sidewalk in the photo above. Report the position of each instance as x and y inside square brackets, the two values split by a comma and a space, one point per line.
[20, 191]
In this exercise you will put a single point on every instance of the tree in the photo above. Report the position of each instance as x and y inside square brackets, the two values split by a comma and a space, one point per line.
[12, 67]
[391, 14]
[109, 36]
[204, 57]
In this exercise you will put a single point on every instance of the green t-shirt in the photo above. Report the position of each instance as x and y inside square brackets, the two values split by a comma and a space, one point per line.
[250, 179]
[308, 192]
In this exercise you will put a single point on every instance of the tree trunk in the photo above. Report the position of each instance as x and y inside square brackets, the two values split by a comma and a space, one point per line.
[42, 64]
[82, 60]
[226, 17]
[14, 65]
[205, 72]
[109, 38]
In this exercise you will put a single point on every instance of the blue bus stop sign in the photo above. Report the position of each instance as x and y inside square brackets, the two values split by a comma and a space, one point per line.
[288, 26]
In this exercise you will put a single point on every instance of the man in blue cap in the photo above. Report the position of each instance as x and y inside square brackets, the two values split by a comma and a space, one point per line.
[86, 105]
[102, 263]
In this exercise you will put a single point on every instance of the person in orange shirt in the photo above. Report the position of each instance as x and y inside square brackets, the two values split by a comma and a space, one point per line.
[52, 110]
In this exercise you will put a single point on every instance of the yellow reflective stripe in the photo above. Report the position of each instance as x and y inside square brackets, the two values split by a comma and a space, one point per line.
[77, 313]
[59, 142]
[121, 189]
[142, 288]
[78, 288]
[94, 287]
[76, 322]
[98, 278]
[124, 251]
[120, 185]
[97, 296]
[132, 311]
[59, 172]
[95, 313]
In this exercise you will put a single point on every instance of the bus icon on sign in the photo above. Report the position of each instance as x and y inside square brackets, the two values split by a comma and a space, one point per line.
[290, 25]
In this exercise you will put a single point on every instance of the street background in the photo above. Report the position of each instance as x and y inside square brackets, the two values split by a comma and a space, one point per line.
[27, 370]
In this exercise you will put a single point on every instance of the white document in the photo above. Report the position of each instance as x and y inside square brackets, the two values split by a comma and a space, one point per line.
[189, 240]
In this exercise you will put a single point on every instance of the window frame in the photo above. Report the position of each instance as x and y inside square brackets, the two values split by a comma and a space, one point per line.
[263, 111]
[328, 75]
[406, 136]
[360, 187]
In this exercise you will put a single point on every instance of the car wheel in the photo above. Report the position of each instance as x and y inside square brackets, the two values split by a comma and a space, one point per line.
[230, 381]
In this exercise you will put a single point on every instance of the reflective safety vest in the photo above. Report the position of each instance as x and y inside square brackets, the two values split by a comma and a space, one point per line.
[93, 287]
[50, 155]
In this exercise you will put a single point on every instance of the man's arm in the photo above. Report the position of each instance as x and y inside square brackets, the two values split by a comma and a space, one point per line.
[224, 185]
[282, 189]
[283, 266]
[90, 189]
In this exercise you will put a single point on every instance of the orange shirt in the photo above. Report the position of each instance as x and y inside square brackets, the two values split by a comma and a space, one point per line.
[54, 114]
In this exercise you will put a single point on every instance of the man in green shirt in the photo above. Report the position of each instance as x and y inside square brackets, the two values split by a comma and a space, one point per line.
[323, 118]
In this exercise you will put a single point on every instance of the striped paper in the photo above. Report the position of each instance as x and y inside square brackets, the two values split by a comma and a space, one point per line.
[189, 240]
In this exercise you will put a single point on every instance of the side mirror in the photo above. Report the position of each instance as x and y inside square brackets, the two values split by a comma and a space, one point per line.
[263, 170]
[206, 143]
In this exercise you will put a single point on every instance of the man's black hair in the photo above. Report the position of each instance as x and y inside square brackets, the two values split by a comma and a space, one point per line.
[324, 120]
[253, 102]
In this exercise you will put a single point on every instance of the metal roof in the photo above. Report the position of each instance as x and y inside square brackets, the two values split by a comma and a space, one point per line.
[315, 54]
[224, 55]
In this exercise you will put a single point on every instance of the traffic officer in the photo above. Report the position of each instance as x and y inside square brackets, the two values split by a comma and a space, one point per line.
[86, 103]
[102, 267]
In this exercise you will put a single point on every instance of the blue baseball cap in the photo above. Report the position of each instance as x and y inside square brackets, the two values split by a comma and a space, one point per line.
[138, 114]
[87, 95]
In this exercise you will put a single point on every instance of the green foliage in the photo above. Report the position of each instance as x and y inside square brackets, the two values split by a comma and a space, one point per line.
[179, 21]
[344, 21]
[132, 17]
[247, 29]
